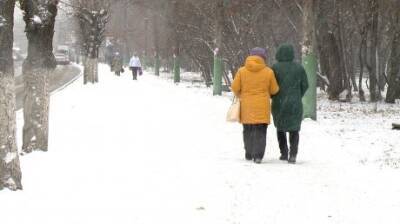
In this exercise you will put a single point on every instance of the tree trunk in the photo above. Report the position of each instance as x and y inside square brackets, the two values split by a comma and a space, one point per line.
[176, 40]
[343, 58]
[10, 172]
[352, 70]
[329, 52]
[92, 24]
[39, 64]
[90, 71]
[362, 54]
[393, 91]
[90, 67]
[382, 66]
[336, 78]
[373, 49]
[146, 37]
[36, 109]
[156, 33]
[127, 49]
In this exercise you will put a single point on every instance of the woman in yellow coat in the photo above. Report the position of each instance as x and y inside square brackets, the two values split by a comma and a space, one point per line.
[254, 84]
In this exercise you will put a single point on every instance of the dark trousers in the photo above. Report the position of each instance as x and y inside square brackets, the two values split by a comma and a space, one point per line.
[255, 139]
[294, 143]
[134, 72]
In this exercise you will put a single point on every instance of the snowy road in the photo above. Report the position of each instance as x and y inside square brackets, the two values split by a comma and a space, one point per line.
[151, 152]
[61, 76]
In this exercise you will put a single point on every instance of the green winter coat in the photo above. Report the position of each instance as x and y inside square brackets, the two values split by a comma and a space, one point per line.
[287, 106]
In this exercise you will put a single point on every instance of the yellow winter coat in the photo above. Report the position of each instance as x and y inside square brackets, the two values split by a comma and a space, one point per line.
[254, 84]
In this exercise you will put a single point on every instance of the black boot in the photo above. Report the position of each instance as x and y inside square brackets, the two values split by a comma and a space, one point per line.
[248, 156]
[283, 157]
[294, 146]
[259, 139]
[292, 159]
[283, 145]
[257, 160]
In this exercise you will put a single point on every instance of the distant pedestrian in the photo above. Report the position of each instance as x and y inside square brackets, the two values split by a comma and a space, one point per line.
[117, 64]
[109, 53]
[254, 84]
[135, 66]
[287, 106]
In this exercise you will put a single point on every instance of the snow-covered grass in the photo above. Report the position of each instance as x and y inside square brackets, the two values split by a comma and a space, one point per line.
[154, 152]
[364, 129]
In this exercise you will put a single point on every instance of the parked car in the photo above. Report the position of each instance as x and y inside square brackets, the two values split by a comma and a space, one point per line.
[62, 55]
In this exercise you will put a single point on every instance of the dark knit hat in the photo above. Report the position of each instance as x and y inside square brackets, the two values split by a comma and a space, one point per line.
[258, 51]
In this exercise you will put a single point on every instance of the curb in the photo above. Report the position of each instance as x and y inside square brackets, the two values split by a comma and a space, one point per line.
[68, 83]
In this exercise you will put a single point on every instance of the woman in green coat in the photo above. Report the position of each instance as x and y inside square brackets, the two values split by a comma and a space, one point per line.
[287, 106]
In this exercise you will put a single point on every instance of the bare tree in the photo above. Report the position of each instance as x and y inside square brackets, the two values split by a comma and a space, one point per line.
[358, 9]
[372, 47]
[39, 18]
[156, 41]
[393, 91]
[10, 173]
[176, 19]
[329, 52]
[92, 17]
[348, 32]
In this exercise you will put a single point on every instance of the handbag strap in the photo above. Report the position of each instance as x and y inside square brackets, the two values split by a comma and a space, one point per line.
[234, 98]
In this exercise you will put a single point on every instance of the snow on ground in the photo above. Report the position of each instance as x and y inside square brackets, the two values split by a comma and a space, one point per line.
[154, 152]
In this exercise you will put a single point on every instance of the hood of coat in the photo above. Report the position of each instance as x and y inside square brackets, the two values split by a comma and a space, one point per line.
[285, 53]
[255, 63]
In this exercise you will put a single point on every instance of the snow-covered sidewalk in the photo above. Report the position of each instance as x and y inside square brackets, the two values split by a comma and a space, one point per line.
[150, 152]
